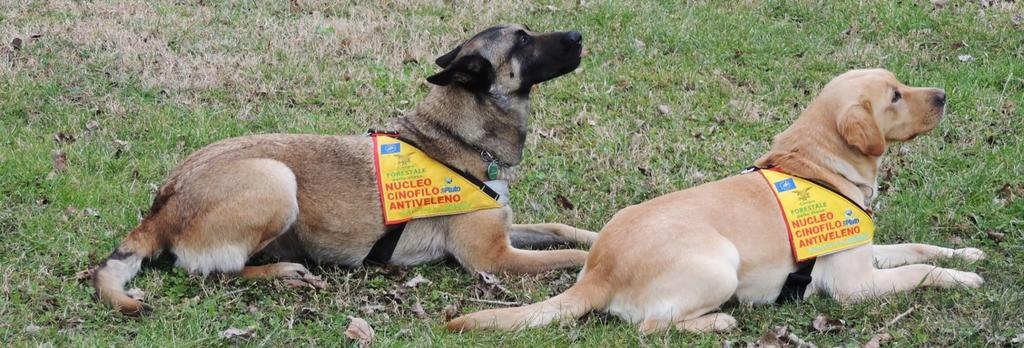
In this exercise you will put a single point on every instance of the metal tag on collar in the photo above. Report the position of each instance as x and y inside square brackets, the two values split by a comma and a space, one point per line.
[493, 169]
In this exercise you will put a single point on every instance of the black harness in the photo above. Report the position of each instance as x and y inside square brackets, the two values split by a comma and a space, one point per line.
[796, 283]
[381, 252]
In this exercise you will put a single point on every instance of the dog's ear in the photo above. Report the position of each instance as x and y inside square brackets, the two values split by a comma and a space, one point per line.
[858, 128]
[447, 58]
[471, 71]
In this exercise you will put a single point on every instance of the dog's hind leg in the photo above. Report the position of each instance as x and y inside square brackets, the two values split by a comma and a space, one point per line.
[241, 206]
[480, 242]
[683, 291]
[537, 236]
[213, 218]
[909, 253]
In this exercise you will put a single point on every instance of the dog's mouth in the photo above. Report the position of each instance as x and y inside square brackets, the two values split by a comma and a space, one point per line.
[571, 62]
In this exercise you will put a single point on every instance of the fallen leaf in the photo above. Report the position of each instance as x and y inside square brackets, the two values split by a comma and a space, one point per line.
[939, 3]
[663, 109]
[16, 43]
[780, 336]
[491, 287]
[417, 280]
[644, 171]
[394, 272]
[450, 312]
[120, 146]
[877, 340]
[564, 202]
[86, 274]
[92, 125]
[236, 333]
[62, 137]
[1017, 339]
[823, 324]
[91, 212]
[60, 161]
[372, 308]
[996, 236]
[488, 278]
[70, 323]
[360, 331]
[965, 58]
[770, 340]
[417, 309]
[69, 213]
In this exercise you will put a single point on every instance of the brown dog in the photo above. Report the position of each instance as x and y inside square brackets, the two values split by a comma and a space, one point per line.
[316, 197]
[676, 258]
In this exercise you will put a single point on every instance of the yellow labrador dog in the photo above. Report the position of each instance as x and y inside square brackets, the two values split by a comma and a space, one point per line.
[673, 260]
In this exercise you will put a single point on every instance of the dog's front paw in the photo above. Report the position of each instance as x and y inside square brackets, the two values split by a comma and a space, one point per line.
[969, 254]
[968, 279]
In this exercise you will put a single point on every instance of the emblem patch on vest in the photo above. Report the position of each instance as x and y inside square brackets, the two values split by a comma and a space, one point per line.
[412, 185]
[819, 220]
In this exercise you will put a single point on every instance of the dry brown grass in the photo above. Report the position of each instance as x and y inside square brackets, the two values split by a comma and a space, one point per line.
[161, 46]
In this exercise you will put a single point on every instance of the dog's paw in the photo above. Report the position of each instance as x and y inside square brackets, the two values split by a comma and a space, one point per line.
[724, 322]
[298, 276]
[968, 279]
[969, 254]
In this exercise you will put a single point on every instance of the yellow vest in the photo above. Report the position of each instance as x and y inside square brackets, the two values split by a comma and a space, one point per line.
[412, 185]
[820, 221]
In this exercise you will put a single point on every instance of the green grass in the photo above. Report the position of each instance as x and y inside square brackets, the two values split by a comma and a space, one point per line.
[169, 78]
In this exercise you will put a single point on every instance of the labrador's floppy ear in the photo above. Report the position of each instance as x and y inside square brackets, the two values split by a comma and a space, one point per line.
[447, 58]
[858, 128]
[471, 71]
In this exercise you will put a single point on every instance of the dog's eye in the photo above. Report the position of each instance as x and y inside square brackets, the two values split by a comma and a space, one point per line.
[523, 38]
[896, 96]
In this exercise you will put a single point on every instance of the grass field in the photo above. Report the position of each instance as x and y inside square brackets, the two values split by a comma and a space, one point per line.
[100, 100]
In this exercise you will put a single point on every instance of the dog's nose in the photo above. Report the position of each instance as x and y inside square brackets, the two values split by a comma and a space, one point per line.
[940, 98]
[573, 37]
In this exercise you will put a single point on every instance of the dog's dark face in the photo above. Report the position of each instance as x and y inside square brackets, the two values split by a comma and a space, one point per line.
[509, 60]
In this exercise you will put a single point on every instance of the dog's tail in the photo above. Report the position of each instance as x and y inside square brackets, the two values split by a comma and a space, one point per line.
[588, 294]
[121, 266]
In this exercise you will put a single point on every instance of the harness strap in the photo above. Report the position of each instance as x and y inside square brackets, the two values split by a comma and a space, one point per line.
[382, 250]
[796, 283]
